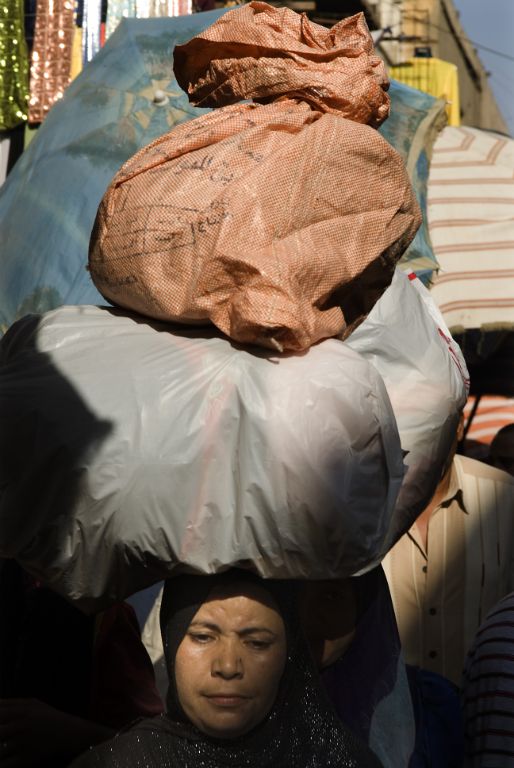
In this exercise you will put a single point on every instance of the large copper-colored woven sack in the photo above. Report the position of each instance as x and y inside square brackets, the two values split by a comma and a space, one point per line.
[279, 221]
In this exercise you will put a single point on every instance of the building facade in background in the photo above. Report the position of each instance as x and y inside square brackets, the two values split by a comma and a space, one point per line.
[423, 29]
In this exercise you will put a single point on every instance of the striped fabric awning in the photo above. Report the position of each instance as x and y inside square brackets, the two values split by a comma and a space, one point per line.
[471, 222]
[493, 413]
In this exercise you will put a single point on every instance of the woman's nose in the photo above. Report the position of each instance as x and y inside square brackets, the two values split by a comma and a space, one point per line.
[227, 662]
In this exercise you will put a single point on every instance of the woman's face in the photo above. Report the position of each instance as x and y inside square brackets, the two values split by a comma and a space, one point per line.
[229, 664]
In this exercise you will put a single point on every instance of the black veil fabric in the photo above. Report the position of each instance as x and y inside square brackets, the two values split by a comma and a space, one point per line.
[301, 731]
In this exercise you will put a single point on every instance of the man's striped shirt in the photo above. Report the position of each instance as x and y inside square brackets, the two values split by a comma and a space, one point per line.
[488, 691]
[442, 593]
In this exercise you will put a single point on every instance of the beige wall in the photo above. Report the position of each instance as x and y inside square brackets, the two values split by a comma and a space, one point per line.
[436, 23]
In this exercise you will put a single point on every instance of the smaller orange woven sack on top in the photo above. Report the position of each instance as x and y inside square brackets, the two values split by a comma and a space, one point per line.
[279, 220]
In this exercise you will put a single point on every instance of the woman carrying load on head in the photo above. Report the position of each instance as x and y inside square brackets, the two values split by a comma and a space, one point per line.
[243, 688]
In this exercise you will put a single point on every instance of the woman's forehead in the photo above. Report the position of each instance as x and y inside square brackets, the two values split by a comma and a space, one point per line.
[240, 607]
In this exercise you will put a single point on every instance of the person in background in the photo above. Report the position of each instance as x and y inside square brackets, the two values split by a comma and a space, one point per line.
[488, 691]
[407, 716]
[243, 690]
[501, 450]
[455, 562]
[351, 630]
[66, 680]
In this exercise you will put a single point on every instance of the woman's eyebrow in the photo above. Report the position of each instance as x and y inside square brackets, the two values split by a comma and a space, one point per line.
[205, 625]
[256, 630]
[242, 633]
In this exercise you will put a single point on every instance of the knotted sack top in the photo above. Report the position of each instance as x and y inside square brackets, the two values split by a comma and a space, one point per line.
[263, 53]
[278, 217]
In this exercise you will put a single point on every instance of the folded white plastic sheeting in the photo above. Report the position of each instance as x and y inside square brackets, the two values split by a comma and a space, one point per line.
[127, 448]
[406, 339]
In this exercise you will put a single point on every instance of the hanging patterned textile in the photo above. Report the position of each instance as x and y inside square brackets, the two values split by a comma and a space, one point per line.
[434, 76]
[147, 8]
[13, 65]
[76, 53]
[91, 23]
[116, 11]
[143, 9]
[51, 56]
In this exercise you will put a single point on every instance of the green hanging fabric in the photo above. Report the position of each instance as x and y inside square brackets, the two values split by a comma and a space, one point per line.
[14, 65]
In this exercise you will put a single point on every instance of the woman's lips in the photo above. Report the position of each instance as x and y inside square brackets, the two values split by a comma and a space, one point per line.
[227, 700]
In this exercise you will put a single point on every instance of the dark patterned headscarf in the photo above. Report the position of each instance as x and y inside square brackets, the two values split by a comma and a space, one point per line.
[301, 730]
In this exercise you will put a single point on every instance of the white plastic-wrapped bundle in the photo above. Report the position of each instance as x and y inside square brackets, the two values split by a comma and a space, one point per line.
[406, 339]
[127, 448]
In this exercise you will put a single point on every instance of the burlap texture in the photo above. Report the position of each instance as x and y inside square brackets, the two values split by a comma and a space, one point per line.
[279, 222]
[262, 53]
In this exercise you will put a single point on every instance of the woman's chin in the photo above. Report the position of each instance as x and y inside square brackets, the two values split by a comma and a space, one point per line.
[226, 725]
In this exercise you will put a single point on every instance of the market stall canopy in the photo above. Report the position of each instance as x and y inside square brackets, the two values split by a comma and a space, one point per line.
[492, 413]
[471, 218]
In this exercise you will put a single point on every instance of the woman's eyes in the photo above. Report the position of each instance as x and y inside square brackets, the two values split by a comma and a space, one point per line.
[201, 637]
[258, 645]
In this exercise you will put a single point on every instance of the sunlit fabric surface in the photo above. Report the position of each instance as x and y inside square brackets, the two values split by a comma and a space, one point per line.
[412, 128]
[434, 76]
[301, 730]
